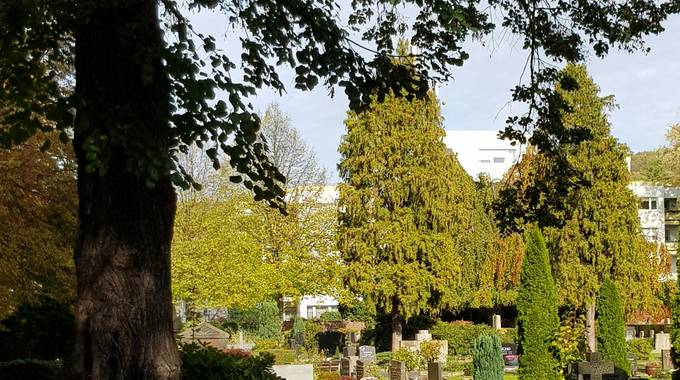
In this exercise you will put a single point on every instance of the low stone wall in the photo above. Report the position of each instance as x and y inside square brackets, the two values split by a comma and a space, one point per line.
[295, 371]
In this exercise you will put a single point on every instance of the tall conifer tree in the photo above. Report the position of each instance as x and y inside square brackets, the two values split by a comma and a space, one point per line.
[578, 195]
[610, 326]
[404, 200]
[538, 321]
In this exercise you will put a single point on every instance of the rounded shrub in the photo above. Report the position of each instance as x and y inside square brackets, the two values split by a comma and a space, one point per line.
[209, 363]
[611, 324]
[538, 319]
[487, 358]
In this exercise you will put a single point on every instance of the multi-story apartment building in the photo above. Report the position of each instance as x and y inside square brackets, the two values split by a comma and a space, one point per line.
[659, 211]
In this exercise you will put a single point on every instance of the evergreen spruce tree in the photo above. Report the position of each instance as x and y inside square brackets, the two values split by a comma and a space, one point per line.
[404, 202]
[487, 358]
[611, 323]
[538, 320]
[578, 196]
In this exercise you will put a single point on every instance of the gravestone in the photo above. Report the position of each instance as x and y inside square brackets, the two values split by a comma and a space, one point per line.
[411, 345]
[662, 341]
[434, 371]
[423, 335]
[397, 370]
[595, 368]
[510, 357]
[496, 321]
[349, 350]
[345, 367]
[366, 354]
[630, 332]
[666, 360]
[633, 363]
[361, 369]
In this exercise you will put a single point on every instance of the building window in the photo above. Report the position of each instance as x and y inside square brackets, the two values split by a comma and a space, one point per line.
[647, 204]
[670, 204]
[671, 234]
[651, 234]
[498, 160]
[485, 161]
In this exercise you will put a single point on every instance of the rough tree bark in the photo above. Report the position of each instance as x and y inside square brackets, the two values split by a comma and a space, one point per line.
[396, 325]
[591, 342]
[123, 309]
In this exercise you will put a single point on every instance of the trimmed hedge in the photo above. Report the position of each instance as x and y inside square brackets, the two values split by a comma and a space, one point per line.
[611, 326]
[487, 358]
[209, 363]
[640, 348]
[538, 320]
[461, 335]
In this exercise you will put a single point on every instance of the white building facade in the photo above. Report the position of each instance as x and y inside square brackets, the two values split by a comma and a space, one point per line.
[483, 152]
[659, 212]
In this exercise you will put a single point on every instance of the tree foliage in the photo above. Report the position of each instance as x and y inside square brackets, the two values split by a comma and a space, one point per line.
[487, 358]
[578, 195]
[611, 324]
[403, 201]
[537, 318]
[659, 166]
[38, 205]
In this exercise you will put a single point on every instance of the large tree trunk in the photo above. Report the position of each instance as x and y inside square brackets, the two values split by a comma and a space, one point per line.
[591, 342]
[396, 326]
[124, 307]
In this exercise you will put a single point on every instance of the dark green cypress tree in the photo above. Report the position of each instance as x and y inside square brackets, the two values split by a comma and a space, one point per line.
[611, 338]
[487, 358]
[538, 321]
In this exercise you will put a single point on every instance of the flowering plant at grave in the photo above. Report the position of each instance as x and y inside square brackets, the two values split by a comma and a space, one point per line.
[237, 352]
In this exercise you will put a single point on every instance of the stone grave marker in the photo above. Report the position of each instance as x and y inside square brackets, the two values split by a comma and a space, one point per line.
[633, 363]
[666, 361]
[630, 332]
[349, 350]
[361, 369]
[496, 321]
[423, 335]
[397, 370]
[345, 367]
[510, 357]
[434, 371]
[662, 341]
[595, 367]
[366, 353]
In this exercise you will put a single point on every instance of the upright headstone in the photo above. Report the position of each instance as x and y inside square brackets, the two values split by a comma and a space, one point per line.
[630, 332]
[595, 368]
[423, 335]
[666, 360]
[510, 357]
[349, 350]
[366, 354]
[434, 371]
[496, 321]
[345, 367]
[633, 363]
[361, 369]
[662, 341]
[397, 370]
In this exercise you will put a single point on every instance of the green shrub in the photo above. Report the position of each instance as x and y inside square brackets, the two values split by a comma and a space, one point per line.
[569, 345]
[281, 356]
[268, 320]
[267, 344]
[298, 327]
[330, 316]
[411, 359]
[640, 348]
[611, 336]
[538, 321]
[208, 363]
[507, 335]
[429, 351]
[460, 335]
[457, 364]
[311, 329]
[383, 358]
[487, 358]
[30, 369]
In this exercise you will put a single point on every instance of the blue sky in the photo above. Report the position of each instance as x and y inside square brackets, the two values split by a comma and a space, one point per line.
[646, 88]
